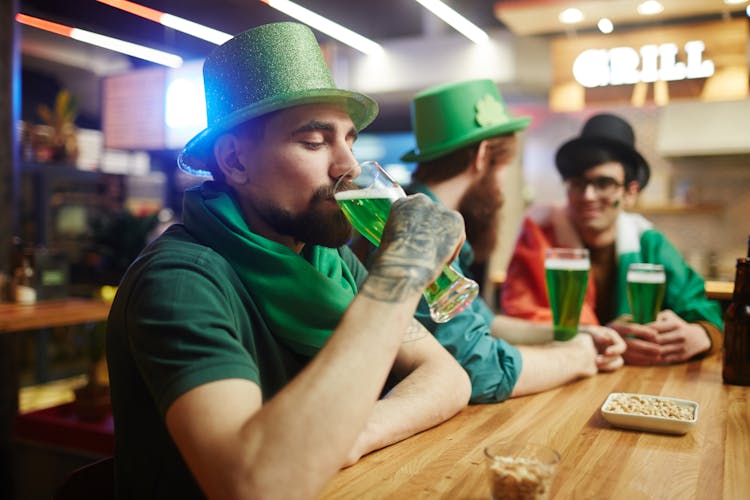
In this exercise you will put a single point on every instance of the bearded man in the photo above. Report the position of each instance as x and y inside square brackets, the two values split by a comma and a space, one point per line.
[465, 136]
[248, 349]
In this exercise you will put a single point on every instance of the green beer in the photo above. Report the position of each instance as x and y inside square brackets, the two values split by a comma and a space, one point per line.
[646, 284]
[367, 210]
[566, 288]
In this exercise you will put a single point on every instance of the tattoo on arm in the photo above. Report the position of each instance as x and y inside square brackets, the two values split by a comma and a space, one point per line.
[415, 331]
[418, 237]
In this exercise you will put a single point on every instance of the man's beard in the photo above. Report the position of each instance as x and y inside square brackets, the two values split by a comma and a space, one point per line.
[318, 225]
[480, 207]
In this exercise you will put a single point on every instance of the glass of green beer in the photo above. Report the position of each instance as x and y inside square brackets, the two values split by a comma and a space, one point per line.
[366, 201]
[646, 284]
[567, 273]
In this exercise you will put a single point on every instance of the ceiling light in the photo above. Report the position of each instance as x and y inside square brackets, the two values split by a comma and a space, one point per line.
[734, 2]
[570, 16]
[747, 11]
[456, 20]
[605, 26]
[650, 7]
[131, 49]
[326, 26]
[194, 29]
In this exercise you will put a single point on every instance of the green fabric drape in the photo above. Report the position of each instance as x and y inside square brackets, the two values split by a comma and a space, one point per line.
[301, 296]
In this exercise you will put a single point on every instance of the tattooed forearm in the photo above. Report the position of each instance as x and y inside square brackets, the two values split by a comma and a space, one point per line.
[418, 238]
[393, 283]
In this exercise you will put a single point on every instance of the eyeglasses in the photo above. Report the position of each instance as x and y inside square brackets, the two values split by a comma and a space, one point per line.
[603, 186]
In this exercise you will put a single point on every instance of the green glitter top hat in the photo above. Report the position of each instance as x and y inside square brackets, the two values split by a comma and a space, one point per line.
[448, 117]
[265, 69]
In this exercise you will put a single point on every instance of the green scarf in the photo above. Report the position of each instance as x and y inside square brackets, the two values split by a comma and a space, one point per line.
[300, 296]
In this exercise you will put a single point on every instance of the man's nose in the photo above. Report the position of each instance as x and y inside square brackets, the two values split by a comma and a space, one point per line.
[345, 164]
[589, 191]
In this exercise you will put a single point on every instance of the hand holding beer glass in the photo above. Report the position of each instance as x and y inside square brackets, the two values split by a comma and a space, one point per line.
[366, 201]
[646, 284]
[567, 274]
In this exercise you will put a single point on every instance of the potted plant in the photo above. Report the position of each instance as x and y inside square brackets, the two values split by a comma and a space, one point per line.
[61, 129]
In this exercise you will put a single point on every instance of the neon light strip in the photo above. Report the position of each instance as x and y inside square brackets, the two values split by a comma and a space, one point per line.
[34, 22]
[326, 26]
[178, 23]
[456, 20]
[131, 49]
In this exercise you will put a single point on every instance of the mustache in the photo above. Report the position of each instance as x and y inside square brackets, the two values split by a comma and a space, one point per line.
[328, 192]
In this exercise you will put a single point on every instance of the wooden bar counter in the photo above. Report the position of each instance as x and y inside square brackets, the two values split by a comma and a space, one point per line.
[51, 313]
[598, 461]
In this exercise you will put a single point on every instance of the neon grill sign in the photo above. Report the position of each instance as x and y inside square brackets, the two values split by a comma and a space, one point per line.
[627, 66]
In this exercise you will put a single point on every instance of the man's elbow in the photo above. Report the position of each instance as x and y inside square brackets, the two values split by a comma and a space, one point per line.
[455, 390]
[465, 383]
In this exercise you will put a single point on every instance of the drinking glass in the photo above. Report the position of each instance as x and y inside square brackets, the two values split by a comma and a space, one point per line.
[646, 284]
[520, 470]
[366, 202]
[567, 273]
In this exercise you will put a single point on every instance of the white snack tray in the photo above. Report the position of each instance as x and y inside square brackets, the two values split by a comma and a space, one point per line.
[650, 423]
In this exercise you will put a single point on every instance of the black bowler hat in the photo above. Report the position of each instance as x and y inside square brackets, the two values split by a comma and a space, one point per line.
[604, 131]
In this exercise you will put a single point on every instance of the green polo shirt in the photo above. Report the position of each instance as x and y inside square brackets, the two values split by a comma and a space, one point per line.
[182, 318]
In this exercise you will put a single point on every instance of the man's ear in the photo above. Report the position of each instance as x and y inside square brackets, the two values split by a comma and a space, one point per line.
[631, 193]
[479, 162]
[225, 152]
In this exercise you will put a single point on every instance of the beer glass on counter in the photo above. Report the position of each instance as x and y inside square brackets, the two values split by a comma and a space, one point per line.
[646, 284]
[366, 201]
[567, 274]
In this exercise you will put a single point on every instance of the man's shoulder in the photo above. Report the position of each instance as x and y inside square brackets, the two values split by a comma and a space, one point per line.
[176, 244]
[176, 252]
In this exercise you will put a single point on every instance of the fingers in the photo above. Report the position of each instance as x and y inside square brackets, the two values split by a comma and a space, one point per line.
[635, 331]
[666, 324]
[641, 358]
[420, 236]
[609, 363]
[667, 314]
[418, 220]
[678, 356]
[608, 342]
[644, 348]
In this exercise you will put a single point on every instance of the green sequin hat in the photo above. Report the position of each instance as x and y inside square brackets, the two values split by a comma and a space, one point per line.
[448, 117]
[265, 69]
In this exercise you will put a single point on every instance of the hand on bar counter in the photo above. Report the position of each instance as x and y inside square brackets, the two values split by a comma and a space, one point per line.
[610, 347]
[669, 339]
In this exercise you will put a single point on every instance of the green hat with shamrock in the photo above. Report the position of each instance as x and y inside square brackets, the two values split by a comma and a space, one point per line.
[448, 117]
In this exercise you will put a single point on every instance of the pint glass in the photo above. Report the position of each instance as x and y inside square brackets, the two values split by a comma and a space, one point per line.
[567, 273]
[646, 283]
[367, 209]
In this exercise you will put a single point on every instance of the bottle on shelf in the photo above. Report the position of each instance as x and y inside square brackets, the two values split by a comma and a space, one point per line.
[736, 361]
[23, 282]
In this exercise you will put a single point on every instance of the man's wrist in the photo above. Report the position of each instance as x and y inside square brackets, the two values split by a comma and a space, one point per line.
[385, 288]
